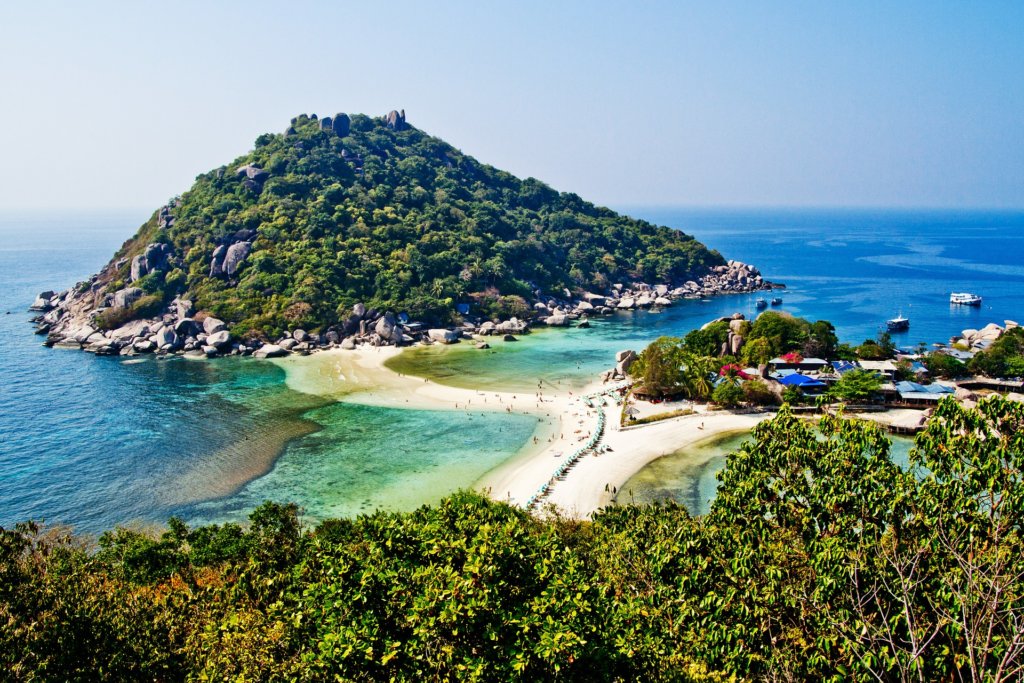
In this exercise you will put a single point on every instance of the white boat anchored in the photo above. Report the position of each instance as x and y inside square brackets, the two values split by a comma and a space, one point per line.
[898, 324]
[965, 299]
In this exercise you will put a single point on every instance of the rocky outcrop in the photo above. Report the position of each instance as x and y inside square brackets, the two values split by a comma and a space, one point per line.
[624, 361]
[43, 301]
[341, 125]
[219, 340]
[388, 329]
[227, 260]
[154, 258]
[979, 339]
[395, 120]
[134, 329]
[234, 256]
[252, 172]
[123, 298]
[269, 351]
[443, 336]
[252, 177]
[557, 320]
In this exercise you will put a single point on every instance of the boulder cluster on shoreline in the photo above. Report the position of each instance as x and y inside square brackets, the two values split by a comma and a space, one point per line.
[74, 318]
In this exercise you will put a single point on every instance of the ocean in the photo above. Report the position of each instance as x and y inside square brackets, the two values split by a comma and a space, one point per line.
[93, 442]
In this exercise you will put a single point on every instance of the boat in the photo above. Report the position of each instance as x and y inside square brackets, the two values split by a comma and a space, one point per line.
[761, 303]
[965, 299]
[777, 301]
[898, 324]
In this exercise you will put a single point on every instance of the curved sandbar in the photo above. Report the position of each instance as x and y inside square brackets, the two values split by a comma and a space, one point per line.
[564, 422]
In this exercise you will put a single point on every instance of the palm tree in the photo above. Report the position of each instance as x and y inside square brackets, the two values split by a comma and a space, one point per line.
[697, 373]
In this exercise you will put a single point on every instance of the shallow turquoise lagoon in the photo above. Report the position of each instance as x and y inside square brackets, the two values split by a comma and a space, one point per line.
[689, 477]
[364, 458]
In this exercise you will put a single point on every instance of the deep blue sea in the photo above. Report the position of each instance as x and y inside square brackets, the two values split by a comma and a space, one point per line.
[95, 442]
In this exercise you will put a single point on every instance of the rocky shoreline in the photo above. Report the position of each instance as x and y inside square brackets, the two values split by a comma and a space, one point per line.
[75, 318]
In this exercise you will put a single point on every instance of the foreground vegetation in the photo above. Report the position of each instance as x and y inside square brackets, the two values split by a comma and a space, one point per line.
[820, 560]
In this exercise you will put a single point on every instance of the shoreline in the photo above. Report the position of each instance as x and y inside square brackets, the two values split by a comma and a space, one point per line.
[564, 423]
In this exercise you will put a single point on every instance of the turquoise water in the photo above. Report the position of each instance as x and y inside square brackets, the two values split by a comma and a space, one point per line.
[98, 441]
[366, 458]
[856, 269]
[689, 477]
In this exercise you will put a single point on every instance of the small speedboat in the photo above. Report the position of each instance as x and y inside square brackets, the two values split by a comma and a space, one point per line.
[898, 324]
[777, 301]
[761, 303]
[965, 299]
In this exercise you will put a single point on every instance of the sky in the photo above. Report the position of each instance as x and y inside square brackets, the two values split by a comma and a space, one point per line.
[735, 104]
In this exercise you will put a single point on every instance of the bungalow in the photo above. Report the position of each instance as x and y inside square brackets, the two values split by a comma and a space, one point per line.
[844, 366]
[922, 394]
[885, 368]
[808, 385]
[804, 365]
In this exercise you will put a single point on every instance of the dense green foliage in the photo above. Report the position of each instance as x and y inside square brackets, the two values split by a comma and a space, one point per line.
[784, 333]
[882, 348]
[820, 560]
[667, 367]
[1004, 358]
[728, 394]
[402, 221]
[856, 386]
[944, 365]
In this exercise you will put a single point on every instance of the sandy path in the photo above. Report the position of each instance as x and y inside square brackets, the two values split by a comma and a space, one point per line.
[564, 423]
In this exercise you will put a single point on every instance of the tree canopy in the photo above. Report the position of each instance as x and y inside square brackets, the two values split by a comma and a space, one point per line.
[395, 219]
[1004, 358]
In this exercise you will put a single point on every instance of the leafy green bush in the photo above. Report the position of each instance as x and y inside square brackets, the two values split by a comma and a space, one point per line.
[1004, 358]
[728, 394]
[943, 365]
[756, 392]
[856, 385]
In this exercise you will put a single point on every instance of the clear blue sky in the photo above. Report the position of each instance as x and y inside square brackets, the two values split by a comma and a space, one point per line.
[722, 103]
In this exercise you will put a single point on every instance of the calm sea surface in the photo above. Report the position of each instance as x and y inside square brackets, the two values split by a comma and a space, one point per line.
[99, 441]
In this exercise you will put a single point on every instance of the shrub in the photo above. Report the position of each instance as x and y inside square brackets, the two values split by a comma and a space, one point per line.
[756, 391]
[728, 394]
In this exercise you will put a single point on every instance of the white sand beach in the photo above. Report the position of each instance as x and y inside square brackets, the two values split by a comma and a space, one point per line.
[565, 423]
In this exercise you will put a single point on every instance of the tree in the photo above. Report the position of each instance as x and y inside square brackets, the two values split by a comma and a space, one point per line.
[697, 374]
[821, 341]
[1004, 358]
[757, 352]
[709, 340]
[856, 385]
[755, 391]
[944, 365]
[728, 394]
[659, 367]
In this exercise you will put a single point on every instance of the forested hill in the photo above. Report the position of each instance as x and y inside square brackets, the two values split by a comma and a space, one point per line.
[340, 210]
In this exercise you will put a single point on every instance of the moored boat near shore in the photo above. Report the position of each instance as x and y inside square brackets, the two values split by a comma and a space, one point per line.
[965, 299]
[898, 324]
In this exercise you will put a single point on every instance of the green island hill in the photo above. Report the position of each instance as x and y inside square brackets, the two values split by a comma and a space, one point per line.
[353, 229]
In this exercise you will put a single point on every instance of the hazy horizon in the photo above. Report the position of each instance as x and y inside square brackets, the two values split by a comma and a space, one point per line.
[746, 106]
